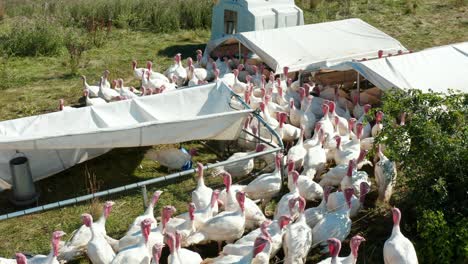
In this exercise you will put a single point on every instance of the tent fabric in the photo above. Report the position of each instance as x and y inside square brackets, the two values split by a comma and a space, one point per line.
[439, 69]
[56, 141]
[314, 46]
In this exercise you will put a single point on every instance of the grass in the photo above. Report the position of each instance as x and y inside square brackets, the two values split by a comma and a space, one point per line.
[33, 85]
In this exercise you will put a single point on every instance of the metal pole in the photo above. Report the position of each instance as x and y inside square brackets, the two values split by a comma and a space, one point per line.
[239, 46]
[358, 84]
[145, 196]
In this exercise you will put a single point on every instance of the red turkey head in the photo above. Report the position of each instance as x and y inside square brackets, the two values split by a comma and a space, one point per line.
[87, 220]
[348, 193]
[354, 244]
[338, 141]
[259, 245]
[21, 258]
[379, 116]
[240, 197]
[227, 180]
[149, 65]
[260, 148]
[108, 208]
[214, 197]
[396, 216]
[56, 235]
[191, 210]
[380, 53]
[295, 176]
[284, 220]
[334, 246]
[367, 107]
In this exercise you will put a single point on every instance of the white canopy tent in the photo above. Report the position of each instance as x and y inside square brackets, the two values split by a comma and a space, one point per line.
[314, 46]
[56, 141]
[438, 69]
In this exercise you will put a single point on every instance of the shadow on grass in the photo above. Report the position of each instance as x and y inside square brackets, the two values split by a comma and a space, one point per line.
[111, 170]
[187, 50]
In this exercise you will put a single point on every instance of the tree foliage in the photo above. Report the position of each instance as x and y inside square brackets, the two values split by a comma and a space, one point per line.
[433, 171]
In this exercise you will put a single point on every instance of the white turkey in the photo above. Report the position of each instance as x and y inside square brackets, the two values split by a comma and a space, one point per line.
[378, 124]
[75, 247]
[315, 214]
[315, 159]
[238, 87]
[201, 196]
[98, 250]
[157, 252]
[155, 75]
[308, 189]
[337, 200]
[185, 256]
[173, 158]
[52, 257]
[266, 186]
[107, 93]
[282, 208]
[385, 175]
[185, 227]
[354, 178]
[93, 89]
[201, 215]
[239, 168]
[244, 245]
[137, 253]
[398, 249]
[297, 237]
[226, 226]
[137, 72]
[177, 70]
[253, 214]
[92, 101]
[297, 153]
[335, 224]
[334, 247]
[259, 254]
[131, 237]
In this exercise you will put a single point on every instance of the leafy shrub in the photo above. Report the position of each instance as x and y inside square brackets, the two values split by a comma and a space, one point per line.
[433, 173]
[33, 38]
[154, 15]
[76, 45]
[2, 11]
[436, 234]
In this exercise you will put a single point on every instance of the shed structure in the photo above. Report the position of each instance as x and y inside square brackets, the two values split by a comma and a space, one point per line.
[234, 16]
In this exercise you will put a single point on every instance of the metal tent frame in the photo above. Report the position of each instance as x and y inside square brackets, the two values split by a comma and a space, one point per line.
[142, 184]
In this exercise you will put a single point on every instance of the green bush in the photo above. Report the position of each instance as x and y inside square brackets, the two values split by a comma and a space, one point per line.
[154, 15]
[431, 188]
[76, 45]
[436, 234]
[33, 38]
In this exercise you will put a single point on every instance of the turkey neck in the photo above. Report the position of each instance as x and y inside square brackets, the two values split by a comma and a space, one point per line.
[396, 230]
[201, 180]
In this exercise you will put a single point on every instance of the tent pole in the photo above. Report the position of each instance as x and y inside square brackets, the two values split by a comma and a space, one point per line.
[358, 84]
[239, 46]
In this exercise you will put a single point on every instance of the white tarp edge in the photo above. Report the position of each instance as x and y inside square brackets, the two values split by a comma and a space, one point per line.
[314, 46]
[56, 141]
[438, 69]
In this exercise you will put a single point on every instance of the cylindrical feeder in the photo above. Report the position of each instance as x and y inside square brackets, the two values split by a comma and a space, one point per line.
[24, 191]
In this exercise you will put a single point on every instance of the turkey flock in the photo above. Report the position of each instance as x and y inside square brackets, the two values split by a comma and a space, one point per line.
[327, 138]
